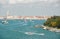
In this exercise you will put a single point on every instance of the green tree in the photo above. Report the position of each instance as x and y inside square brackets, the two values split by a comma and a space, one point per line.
[53, 22]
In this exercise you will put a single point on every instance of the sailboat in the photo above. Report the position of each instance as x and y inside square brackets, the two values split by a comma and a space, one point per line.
[5, 19]
[4, 22]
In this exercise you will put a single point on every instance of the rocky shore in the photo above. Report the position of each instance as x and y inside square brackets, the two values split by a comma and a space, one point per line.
[51, 29]
[48, 28]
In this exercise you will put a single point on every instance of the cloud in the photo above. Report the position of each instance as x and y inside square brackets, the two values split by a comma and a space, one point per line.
[27, 1]
[32, 1]
[19, 1]
[2, 1]
[12, 1]
[24, 1]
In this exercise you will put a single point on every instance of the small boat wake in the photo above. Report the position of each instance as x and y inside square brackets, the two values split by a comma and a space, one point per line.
[33, 33]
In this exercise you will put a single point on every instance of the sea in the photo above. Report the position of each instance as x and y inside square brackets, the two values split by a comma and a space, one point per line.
[25, 29]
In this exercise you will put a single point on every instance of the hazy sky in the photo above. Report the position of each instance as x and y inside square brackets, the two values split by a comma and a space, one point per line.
[30, 7]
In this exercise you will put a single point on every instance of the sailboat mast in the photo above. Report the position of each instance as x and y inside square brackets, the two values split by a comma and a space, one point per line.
[7, 14]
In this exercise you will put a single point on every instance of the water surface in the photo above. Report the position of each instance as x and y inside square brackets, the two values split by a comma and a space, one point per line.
[16, 29]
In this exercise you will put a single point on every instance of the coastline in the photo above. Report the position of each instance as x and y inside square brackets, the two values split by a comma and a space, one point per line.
[51, 29]
[48, 28]
[25, 17]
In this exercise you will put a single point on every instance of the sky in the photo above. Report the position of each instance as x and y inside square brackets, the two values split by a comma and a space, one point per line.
[30, 7]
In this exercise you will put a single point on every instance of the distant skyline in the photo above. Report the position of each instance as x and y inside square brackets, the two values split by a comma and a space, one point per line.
[30, 7]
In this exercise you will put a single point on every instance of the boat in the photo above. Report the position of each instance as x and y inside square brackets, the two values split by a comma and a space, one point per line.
[5, 19]
[4, 22]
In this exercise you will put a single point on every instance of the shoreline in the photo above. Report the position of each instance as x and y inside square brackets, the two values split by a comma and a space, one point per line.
[48, 28]
[51, 29]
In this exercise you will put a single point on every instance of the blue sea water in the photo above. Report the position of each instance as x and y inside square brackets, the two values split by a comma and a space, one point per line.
[17, 29]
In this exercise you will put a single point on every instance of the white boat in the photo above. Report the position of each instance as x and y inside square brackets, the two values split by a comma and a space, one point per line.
[5, 19]
[4, 22]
